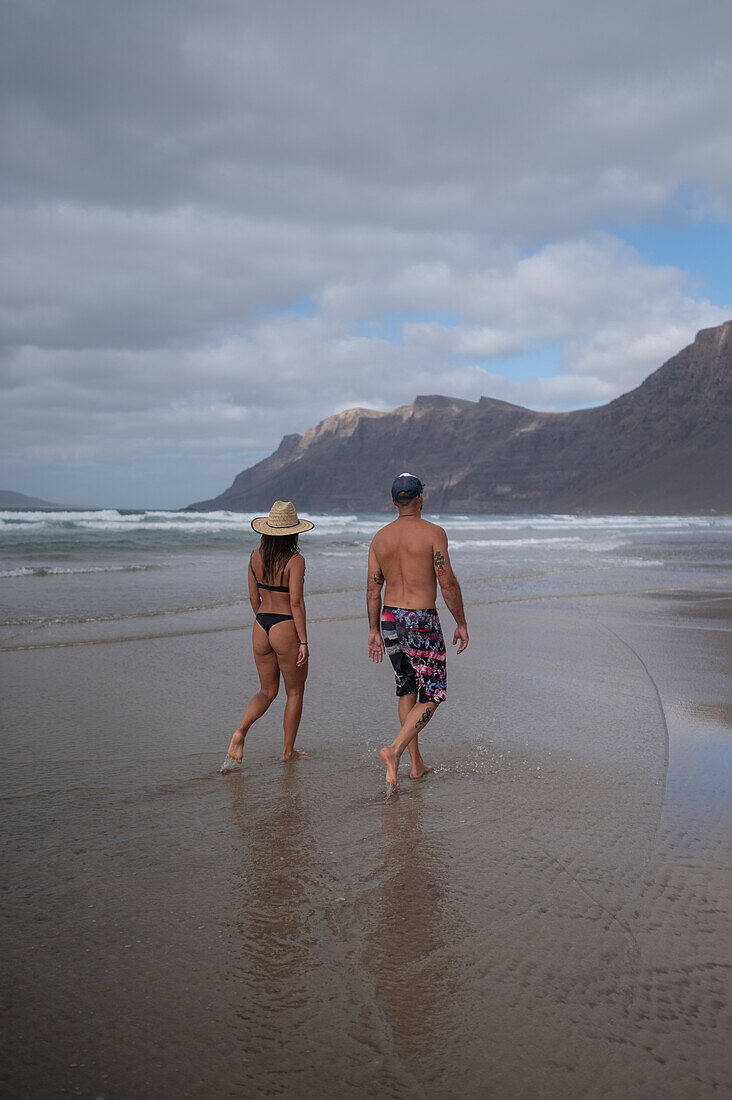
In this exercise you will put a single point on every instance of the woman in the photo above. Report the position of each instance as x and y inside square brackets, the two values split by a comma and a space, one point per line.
[279, 634]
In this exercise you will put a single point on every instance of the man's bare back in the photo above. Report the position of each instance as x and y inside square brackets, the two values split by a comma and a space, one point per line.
[404, 551]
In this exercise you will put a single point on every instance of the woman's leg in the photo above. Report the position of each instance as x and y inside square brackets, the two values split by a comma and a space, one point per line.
[284, 640]
[265, 659]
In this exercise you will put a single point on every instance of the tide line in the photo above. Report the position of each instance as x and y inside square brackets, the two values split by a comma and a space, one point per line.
[157, 636]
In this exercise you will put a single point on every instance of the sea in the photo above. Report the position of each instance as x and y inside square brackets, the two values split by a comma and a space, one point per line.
[119, 572]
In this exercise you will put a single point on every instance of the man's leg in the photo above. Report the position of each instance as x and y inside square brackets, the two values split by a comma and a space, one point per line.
[419, 768]
[417, 718]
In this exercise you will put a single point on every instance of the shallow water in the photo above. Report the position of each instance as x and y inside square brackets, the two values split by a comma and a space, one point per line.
[543, 916]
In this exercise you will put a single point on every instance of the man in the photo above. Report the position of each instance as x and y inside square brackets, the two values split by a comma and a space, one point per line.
[410, 556]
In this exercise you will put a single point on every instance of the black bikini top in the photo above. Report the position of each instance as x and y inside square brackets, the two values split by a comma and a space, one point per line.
[272, 587]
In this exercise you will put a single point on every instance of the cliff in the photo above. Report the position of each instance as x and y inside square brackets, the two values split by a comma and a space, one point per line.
[664, 447]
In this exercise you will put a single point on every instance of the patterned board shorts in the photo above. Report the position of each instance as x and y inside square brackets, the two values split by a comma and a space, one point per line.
[416, 648]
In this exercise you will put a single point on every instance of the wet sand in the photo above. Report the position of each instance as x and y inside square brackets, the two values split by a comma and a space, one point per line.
[547, 915]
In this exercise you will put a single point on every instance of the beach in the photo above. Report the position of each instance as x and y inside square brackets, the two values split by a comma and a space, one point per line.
[547, 914]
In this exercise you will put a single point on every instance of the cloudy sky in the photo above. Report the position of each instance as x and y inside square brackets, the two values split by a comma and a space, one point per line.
[224, 220]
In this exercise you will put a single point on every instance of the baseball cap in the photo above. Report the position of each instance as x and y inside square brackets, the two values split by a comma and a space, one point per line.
[406, 487]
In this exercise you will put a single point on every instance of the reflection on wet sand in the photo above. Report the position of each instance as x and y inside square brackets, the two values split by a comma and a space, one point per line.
[341, 931]
[276, 878]
[716, 713]
[408, 924]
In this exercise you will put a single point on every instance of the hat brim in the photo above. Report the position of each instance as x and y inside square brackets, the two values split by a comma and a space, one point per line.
[262, 527]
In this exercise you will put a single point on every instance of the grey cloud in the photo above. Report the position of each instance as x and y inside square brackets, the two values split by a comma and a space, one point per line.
[286, 373]
[577, 291]
[400, 114]
[86, 278]
[180, 175]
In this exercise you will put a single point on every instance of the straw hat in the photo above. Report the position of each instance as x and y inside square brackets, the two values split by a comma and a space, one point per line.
[282, 520]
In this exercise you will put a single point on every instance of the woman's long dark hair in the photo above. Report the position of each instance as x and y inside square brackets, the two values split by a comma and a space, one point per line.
[276, 551]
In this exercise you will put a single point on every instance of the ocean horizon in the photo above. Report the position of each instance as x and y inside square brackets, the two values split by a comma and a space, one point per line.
[59, 566]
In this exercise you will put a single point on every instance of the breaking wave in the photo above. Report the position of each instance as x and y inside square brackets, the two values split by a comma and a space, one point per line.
[57, 570]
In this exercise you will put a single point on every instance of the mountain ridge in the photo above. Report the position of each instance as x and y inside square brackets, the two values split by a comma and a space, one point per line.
[664, 446]
[10, 500]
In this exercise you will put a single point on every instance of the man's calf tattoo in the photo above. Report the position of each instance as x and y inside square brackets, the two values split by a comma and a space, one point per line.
[426, 715]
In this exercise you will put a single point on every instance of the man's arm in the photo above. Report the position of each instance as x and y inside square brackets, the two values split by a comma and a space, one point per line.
[374, 584]
[450, 589]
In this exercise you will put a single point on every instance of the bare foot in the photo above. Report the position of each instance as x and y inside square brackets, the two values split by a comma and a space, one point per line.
[236, 748]
[292, 755]
[387, 755]
[420, 770]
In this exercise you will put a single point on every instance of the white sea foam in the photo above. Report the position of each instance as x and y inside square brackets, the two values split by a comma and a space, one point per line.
[57, 570]
[90, 536]
[604, 547]
[552, 540]
[111, 521]
[641, 562]
[591, 523]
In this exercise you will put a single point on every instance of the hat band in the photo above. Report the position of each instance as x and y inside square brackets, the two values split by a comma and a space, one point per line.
[282, 526]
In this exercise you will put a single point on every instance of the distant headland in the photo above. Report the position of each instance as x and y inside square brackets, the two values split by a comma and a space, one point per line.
[12, 501]
[665, 447]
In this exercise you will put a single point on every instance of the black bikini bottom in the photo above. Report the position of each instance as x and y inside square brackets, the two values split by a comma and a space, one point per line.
[267, 620]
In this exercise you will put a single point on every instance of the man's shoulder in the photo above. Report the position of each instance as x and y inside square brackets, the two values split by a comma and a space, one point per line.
[377, 540]
[434, 529]
[384, 531]
[393, 533]
[425, 533]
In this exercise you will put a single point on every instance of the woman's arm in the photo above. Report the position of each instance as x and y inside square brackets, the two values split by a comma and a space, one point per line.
[295, 582]
[255, 598]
